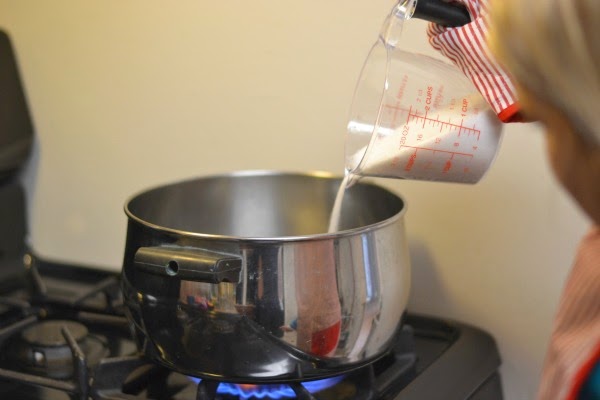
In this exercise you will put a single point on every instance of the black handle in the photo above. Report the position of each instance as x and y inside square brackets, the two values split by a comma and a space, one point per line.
[189, 264]
[442, 13]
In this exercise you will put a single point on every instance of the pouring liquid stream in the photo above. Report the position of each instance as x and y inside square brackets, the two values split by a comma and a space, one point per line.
[336, 212]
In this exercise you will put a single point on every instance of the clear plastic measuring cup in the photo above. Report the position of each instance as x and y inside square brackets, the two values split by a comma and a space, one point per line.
[416, 117]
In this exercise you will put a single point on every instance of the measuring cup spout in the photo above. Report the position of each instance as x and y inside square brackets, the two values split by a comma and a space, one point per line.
[391, 30]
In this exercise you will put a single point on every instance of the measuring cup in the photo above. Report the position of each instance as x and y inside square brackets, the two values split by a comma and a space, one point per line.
[416, 117]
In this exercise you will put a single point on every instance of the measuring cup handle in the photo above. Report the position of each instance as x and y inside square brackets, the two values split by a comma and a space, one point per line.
[442, 13]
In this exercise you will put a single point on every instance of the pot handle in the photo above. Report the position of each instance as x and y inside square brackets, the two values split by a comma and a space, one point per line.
[189, 264]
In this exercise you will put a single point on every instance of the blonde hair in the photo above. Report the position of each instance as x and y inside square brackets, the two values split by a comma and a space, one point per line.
[552, 48]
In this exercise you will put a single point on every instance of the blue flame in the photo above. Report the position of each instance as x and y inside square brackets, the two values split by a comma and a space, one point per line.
[278, 391]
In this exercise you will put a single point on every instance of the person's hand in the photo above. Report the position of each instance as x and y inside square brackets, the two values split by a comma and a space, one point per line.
[466, 46]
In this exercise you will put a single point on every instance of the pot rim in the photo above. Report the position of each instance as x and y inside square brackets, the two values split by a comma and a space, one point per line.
[265, 172]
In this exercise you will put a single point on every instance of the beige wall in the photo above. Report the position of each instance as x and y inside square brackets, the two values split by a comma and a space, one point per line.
[127, 94]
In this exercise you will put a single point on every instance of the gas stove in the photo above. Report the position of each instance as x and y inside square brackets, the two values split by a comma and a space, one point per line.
[64, 335]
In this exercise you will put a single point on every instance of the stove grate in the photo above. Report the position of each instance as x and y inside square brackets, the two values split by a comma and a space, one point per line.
[76, 387]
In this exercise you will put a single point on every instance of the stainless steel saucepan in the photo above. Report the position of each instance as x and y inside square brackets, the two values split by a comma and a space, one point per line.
[235, 276]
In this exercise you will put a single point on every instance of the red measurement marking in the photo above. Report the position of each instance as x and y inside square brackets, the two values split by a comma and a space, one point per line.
[411, 162]
[395, 109]
[439, 151]
[460, 128]
[447, 166]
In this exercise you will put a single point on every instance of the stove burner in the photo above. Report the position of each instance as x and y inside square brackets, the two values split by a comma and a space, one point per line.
[275, 391]
[42, 348]
[49, 334]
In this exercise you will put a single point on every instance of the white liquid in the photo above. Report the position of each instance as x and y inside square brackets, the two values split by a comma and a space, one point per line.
[434, 149]
[336, 212]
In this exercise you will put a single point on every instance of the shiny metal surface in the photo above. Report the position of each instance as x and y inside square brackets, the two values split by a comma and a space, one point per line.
[306, 303]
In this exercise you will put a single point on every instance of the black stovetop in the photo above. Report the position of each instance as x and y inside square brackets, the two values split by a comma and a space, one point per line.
[43, 306]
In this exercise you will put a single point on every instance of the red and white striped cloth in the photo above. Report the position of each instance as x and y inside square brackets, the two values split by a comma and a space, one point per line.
[575, 344]
[466, 46]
